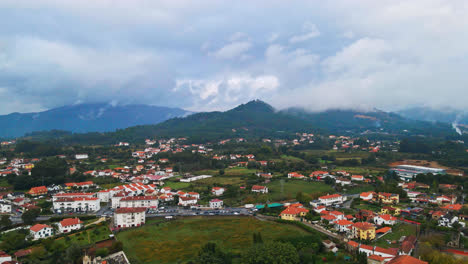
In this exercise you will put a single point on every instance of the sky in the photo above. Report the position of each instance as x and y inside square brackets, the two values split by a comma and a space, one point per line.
[213, 55]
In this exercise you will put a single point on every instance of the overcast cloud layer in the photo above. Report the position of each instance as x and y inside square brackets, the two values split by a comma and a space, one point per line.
[213, 55]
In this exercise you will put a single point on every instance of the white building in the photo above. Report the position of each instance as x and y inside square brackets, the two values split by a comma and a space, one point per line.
[39, 231]
[217, 191]
[63, 205]
[69, 224]
[186, 201]
[72, 195]
[343, 225]
[4, 257]
[129, 217]
[81, 156]
[104, 195]
[216, 203]
[5, 208]
[328, 200]
[385, 219]
[139, 201]
[259, 189]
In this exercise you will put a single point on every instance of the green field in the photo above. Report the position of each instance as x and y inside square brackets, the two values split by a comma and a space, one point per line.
[88, 237]
[362, 170]
[235, 171]
[177, 185]
[291, 158]
[179, 241]
[398, 231]
[288, 190]
[221, 181]
[358, 189]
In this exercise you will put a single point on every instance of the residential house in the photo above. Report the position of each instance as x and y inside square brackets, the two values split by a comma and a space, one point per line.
[76, 204]
[5, 208]
[343, 225]
[217, 191]
[295, 175]
[367, 196]
[388, 198]
[139, 201]
[390, 210]
[293, 213]
[342, 181]
[363, 231]
[69, 224]
[81, 156]
[449, 220]
[39, 231]
[357, 178]
[404, 259]
[37, 191]
[259, 189]
[331, 199]
[129, 217]
[187, 201]
[384, 219]
[216, 203]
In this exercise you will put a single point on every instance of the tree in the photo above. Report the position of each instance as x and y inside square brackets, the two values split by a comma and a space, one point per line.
[73, 253]
[271, 253]
[30, 216]
[210, 253]
[5, 221]
[102, 252]
[257, 238]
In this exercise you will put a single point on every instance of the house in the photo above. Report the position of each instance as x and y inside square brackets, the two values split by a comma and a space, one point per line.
[5, 208]
[76, 204]
[437, 215]
[186, 201]
[36, 191]
[295, 175]
[390, 210]
[363, 231]
[259, 189]
[408, 245]
[357, 178]
[366, 196]
[449, 220]
[139, 201]
[404, 259]
[129, 217]
[81, 156]
[330, 246]
[453, 207]
[293, 213]
[217, 191]
[39, 231]
[216, 203]
[384, 219]
[319, 174]
[376, 259]
[366, 249]
[342, 181]
[338, 215]
[383, 230]
[4, 257]
[388, 198]
[386, 252]
[330, 199]
[69, 224]
[193, 194]
[343, 225]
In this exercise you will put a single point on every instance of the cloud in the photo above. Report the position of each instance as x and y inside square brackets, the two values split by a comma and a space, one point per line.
[210, 55]
[233, 50]
[309, 30]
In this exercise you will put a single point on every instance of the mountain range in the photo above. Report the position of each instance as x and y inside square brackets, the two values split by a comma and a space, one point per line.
[91, 124]
[83, 118]
[458, 119]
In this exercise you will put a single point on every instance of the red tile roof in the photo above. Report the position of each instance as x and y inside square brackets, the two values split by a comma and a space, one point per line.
[70, 221]
[383, 230]
[404, 259]
[139, 198]
[353, 244]
[128, 210]
[330, 196]
[294, 210]
[258, 187]
[363, 225]
[38, 227]
[388, 251]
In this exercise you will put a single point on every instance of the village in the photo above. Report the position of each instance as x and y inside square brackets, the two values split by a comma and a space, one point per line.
[353, 206]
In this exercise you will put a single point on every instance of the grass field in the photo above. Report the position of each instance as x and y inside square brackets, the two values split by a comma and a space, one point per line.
[397, 232]
[358, 189]
[236, 171]
[362, 170]
[291, 158]
[177, 185]
[287, 190]
[179, 241]
[110, 185]
[221, 181]
[89, 236]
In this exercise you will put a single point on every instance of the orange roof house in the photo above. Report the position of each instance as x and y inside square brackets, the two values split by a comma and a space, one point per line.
[35, 191]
